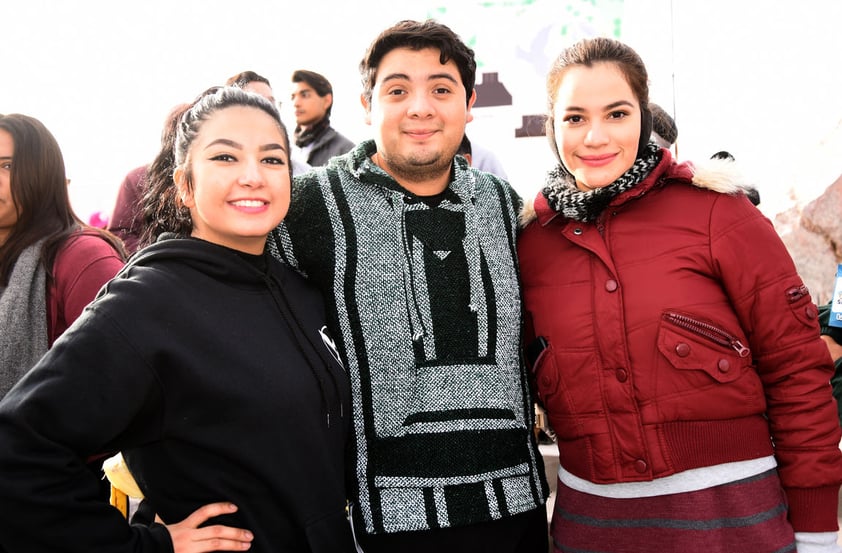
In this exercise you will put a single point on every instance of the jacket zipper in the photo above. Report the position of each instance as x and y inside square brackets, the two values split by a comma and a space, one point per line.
[708, 331]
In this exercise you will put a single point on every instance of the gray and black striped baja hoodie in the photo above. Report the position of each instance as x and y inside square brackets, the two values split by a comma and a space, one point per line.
[426, 308]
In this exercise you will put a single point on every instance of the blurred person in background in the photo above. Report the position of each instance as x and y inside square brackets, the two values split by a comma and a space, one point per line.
[51, 263]
[315, 140]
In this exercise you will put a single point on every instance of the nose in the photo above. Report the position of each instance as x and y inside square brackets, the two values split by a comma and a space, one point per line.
[597, 134]
[420, 105]
[252, 174]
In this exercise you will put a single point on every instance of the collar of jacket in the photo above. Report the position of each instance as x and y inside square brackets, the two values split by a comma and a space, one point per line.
[718, 175]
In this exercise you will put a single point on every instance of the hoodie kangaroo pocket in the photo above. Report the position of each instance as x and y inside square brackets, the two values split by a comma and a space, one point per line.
[453, 412]
[464, 396]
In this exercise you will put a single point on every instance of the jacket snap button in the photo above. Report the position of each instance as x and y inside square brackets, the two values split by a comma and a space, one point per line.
[811, 312]
[611, 285]
[682, 349]
[577, 231]
[546, 380]
[724, 365]
[622, 375]
[640, 466]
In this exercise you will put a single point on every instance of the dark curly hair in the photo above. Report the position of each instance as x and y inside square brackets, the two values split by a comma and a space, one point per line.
[417, 35]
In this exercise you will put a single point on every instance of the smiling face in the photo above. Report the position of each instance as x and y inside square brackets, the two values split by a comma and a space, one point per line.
[8, 210]
[597, 124]
[419, 111]
[239, 169]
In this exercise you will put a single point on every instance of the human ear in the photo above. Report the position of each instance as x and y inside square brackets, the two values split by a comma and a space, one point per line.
[471, 100]
[185, 194]
[367, 108]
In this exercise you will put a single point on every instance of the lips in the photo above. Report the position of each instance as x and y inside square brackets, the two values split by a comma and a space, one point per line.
[248, 203]
[250, 206]
[422, 134]
[598, 160]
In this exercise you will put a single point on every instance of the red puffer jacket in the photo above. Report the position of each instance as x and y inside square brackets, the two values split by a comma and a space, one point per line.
[679, 335]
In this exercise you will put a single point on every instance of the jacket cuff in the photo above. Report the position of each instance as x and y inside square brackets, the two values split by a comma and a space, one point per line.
[813, 509]
[155, 537]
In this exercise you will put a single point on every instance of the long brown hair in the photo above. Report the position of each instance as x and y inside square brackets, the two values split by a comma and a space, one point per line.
[157, 214]
[38, 186]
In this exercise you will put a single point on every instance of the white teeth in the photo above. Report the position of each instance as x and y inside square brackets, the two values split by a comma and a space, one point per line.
[248, 203]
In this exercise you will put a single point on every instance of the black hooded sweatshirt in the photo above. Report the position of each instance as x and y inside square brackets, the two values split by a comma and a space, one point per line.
[212, 371]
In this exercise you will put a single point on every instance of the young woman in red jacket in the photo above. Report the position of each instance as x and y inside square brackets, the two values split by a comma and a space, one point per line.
[51, 263]
[674, 346]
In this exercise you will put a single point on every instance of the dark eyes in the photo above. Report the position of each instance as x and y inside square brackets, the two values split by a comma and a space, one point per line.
[223, 157]
[268, 160]
[401, 91]
[617, 114]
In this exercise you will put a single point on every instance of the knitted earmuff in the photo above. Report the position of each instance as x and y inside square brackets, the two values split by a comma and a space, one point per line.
[645, 129]
[645, 133]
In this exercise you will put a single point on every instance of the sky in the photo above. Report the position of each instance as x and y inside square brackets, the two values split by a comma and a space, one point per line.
[759, 78]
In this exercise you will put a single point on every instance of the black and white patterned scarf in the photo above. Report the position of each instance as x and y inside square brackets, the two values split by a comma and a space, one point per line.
[307, 137]
[585, 206]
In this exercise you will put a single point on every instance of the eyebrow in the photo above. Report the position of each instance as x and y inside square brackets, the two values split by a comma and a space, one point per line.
[238, 146]
[433, 77]
[606, 108]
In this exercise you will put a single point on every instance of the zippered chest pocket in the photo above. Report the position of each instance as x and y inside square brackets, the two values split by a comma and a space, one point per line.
[693, 344]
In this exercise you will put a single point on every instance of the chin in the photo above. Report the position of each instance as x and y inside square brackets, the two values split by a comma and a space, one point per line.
[592, 181]
[591, 184]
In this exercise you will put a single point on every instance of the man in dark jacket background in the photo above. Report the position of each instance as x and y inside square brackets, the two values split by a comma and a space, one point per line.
[315, 140]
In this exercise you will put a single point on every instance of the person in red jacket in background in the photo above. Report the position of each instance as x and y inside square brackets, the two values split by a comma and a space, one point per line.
[673, 344]
[51, 263]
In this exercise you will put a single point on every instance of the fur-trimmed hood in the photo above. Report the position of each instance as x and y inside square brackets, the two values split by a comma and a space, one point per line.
[718, 175]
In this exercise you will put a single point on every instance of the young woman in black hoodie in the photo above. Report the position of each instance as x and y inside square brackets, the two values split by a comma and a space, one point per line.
[205, 361]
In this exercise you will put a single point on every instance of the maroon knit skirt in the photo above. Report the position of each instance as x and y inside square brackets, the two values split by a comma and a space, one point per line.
[747, 516]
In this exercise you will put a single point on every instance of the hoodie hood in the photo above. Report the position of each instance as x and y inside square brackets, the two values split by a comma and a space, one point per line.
[218, 262]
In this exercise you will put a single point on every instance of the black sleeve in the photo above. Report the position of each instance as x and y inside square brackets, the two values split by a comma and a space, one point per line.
[834, 332]
[92, 393]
